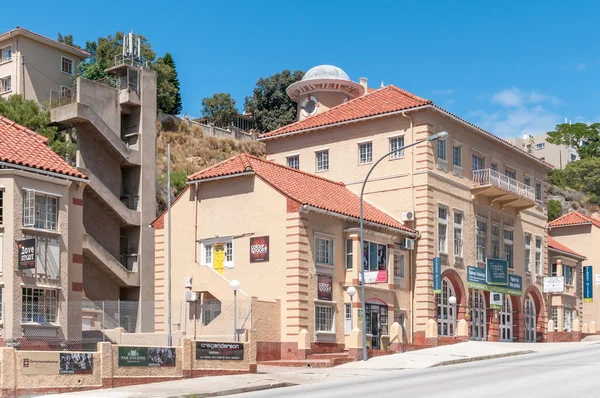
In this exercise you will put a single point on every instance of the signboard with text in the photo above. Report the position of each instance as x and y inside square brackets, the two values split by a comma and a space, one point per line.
[26, 253]
[219, 351]
[496, 271]
[54, 363]
[374, 276]
[588, 289]
[476, 279]
[437, 275]
[554, 284]
[147, 356]
[325, 287]
[496, 301]
[259, 249]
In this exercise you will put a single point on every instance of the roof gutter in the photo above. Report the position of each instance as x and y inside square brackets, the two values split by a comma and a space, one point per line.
[567, 254]
[44, 172]
[246, 173]
[569, 225]
[306, 207]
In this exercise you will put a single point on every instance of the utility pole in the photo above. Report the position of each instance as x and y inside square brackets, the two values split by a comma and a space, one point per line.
[170, 338]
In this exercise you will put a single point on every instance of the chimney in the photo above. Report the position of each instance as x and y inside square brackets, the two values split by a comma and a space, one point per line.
[363, 82]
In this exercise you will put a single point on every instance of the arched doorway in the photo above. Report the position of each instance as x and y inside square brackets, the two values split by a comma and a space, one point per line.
[506, 319]
[478, 318]
[445, 311]
[530, 320]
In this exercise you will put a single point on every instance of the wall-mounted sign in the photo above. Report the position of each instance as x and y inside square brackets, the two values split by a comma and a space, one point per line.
[53, 363]
[324, 287]
[554, 284]
[76, 363]
[26, 253]
[496, 301]
[219, 351]
[259, 249]
[145, 356]
[218, 257]
[437, 275]
[597, 279]
[588, 289]
[496, 271]
[476, 279]
[374, 276]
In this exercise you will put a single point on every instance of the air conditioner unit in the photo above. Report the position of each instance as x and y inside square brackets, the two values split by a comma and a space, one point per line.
[408, 216]
[188, 281]
[409, 244]
[190, 296]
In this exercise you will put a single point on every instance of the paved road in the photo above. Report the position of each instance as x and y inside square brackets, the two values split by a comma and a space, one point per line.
[574, 372]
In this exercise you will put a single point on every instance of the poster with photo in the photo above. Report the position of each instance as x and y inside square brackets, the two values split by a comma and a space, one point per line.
[76, 363]
[325, 287]
[164, 356]
[259, 249]
[26, 252]
[147, 356]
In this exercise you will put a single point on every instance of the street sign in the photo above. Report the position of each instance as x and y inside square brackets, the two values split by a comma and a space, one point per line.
[588, 289]
[437, 275]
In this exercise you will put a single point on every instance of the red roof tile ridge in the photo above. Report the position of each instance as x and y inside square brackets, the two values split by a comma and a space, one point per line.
[409, 94]
[295, 170]
[16, 125]
[214, 166]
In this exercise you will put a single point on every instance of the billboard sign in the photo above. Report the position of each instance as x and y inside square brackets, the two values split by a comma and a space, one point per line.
[496, 271]
[259, 249]
[147, 356]
[325, 287]
[219, 351]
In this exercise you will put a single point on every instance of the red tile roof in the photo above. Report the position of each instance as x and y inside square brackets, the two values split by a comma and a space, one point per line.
[304, 188]
[553, 244]
[573, 218]
[21, 146]
[385, 100]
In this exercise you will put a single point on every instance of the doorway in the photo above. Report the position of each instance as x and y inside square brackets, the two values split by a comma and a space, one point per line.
[477, 315]
[506, 319]
[377, 323]
[530, 320]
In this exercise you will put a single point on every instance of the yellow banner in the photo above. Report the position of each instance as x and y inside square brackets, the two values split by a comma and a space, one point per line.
[219, 257]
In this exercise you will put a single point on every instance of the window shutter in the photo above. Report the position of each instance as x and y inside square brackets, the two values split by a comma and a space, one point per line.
[29, 208]
[40, 260]
[53, 259]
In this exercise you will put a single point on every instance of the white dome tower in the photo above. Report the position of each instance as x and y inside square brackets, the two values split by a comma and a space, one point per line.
[322, 88]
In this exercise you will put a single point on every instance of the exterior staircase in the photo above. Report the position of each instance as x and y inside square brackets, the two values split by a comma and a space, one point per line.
[107, 263]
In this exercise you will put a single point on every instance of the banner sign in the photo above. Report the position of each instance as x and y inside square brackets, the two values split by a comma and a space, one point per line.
[26, 253]
[496, 271]
[374, 276]
[259, 249]
[147, 356]
[53, 363]
[325, 287]
[496, 301]
[554, 284]
[476, 279]
[588, 290]
[437, 275]
[219, 351]
[219, 257]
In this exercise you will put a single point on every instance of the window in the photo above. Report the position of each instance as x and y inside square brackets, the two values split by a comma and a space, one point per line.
[47, 257]
[527, 181]
[508, 247]
[573, 157]
[324, 318]
[538, 255]
[458, 238]
[1, 306]
[477, 163]
[567, 318]
[395, 144]
[441, 150]
[6, 54]
[323, 250]
[39, 305]
[541, 145]
[442, 230]
[1, 206]
[398, 264]
[349, 256]
[555, 317]
[323, 160]
[208, 253]
[221, 251]
[494, 166]
[554, 270]
[5, 84]
[481, 240]
[293, 162]
[374, 256]
[66, 65]
[40, 211]
[457, 155]
[495, 241]
[347, 318]
[445, 311]
[229, 252]
[528, 252]
[542, 159]
[538, 191]
[568, 273]
[510, 174]
[365, 152]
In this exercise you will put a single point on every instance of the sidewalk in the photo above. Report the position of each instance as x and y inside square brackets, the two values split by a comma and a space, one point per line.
[276, 377]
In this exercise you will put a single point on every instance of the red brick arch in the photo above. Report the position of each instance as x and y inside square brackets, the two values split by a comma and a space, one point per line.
[459, 290]
[538, 300]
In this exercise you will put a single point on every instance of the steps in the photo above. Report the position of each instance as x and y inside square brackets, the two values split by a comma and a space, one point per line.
[313, 361]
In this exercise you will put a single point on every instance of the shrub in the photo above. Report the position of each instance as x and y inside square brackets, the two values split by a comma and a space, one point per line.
[554, 209]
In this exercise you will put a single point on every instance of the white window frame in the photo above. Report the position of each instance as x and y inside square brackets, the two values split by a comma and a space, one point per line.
[62, 58]
[399, 265]
[46, 308]
[396, 143]
[555, 317]
[322, 160]
[567, 318]
[349, 247]
[1, 207]
[445, 311]
[327, 328]
[509, 243]
[326, 238]
[293, 160]
[541, 191]
[455, 163]
[527, 253]
[481, 237]
[540, 145]
[366, 149]
[570, 281]
[32, 214]
[538, 255]
[510, 173]
[443, 224]
[2, 79]
[373, 267]
[2, 51]
[442, 154]
[458, 234]
[347, 318]
[477, 161]
[496, 240]
[207, 255]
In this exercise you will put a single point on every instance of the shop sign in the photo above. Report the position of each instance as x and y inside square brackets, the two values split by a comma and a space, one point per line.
[219, 257]
[375, 276]
[496, 271]
[325, 287]
[437, 275]
[26, 250]
[259, 249]
[476, 279]
[496, 301]
[147, 356]
[219, 351]
[588, 290]
[53, 363]
[554, 284]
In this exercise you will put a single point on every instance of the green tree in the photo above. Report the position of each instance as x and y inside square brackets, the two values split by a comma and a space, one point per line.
[584, 138]
[176, 91]
[219, 109]
[269, 104]
[554, 209]
[67, 39]
[29, 114]
[583, 175]
[168, 95]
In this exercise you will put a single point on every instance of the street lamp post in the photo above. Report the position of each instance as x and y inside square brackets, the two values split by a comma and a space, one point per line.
[351, 292]
[433, 137]
[452, 302]
[235, 286]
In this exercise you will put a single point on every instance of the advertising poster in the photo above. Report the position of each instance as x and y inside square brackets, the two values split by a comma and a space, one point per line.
[219, 257]
[588, 290]
[374, 276]
[325, 287]
[219, 351]
[476, 279]
[496, 271]
[496, 301]
[259, 249]
[76, 363]
[26, 253]
[147, 356]
[554, 284]
[437, 275]
[54, 363]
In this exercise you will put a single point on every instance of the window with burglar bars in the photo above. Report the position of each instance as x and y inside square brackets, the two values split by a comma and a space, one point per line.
[39, 305]
[398, 264]
[324, 318]
[40, 211]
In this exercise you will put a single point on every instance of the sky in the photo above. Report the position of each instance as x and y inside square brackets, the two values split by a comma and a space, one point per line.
[511, 67]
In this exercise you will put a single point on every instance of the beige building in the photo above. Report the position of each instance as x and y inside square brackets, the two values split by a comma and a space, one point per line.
[557, 155]
[472, 197]
[37, 67]
[41, 215]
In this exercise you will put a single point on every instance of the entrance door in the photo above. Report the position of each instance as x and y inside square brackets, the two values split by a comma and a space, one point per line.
[530, 320]
[506, 320]
[375, 327]
[377, 324]
[477, 315]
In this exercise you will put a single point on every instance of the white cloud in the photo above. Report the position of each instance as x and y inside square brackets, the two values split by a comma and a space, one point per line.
[514, 122]
[580, 67]
[515, 97]
[448, 91]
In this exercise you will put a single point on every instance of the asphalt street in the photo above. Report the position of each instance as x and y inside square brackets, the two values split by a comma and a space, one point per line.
[565, 373]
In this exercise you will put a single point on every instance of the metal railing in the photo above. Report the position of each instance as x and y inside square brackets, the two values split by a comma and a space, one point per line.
[498, 180]
[62, 97]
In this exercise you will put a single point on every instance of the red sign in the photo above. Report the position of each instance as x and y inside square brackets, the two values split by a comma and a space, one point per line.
[259, 249]
[325, 287]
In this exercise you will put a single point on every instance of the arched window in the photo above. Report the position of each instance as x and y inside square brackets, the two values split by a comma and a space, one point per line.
[478, 319]
[530, 320]
[445, 312]
[506, 320]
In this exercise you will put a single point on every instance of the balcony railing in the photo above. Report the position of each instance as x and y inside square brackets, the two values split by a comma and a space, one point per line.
[492, 177]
